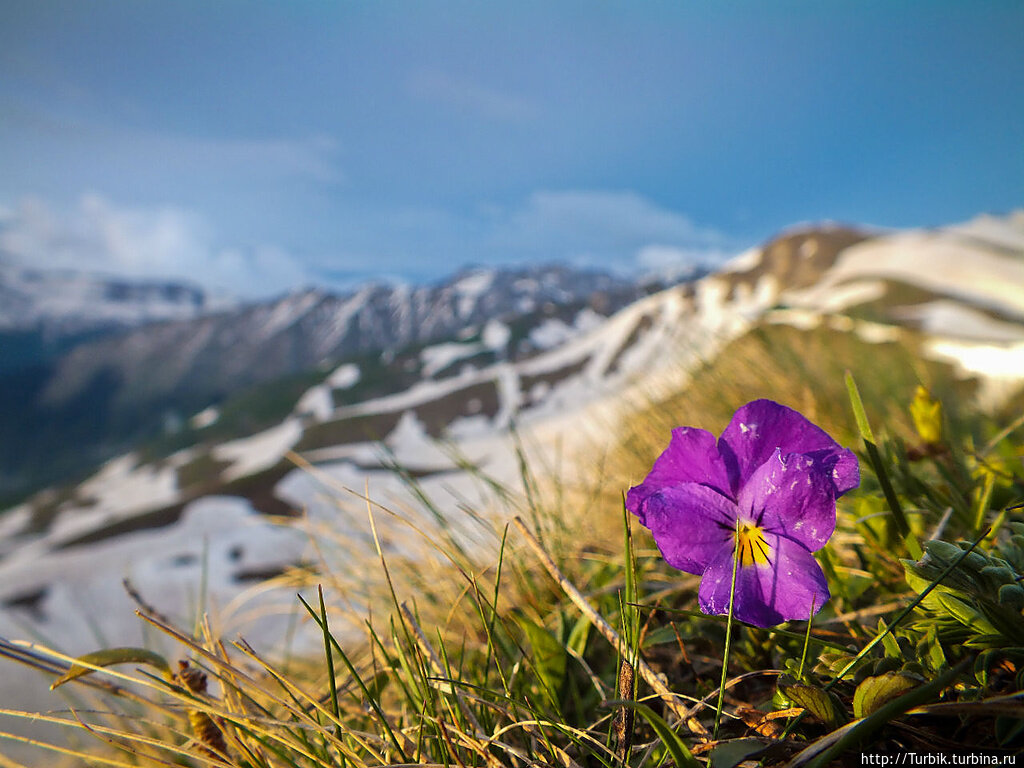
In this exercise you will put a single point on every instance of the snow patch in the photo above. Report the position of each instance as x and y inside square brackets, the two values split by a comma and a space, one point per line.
[465, 427]
[587, 320]
[801, 319]
[287, 311]
[344, 376]
[877, 333]
[204, 418]
[13, 522]
[440, 356]
[495, 335]
[122, 488]
[951, 318]
[252, 454]
[470, 289]
[938, 263]
[1002, 231]
[744, 262]
[999, 367]
[550, 333]
[837, 298]
[317, 403]
[411, 446]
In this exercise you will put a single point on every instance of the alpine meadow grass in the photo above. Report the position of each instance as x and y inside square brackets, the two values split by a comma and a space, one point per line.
[559, 636]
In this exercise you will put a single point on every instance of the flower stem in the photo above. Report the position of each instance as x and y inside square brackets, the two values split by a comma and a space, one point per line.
[807, 639]
[728, 637]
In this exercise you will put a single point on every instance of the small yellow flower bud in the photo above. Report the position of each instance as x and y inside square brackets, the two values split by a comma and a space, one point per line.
[927, 415]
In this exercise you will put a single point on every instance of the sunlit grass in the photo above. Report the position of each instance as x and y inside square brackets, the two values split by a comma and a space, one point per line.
[449, 639]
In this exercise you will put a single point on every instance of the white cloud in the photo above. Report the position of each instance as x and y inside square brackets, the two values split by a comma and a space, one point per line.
[96, 235]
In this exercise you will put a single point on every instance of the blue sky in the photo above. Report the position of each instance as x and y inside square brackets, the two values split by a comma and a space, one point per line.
[258, 146]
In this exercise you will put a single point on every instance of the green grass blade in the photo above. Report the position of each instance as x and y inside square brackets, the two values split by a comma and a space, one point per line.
[681, 754]
[807, 642]
[633, 624]
[859, 414]
[984, 499]
[329, 656]
[899, 518]
[359, 681]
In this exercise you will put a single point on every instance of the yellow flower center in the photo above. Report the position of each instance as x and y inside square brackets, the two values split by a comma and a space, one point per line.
[750, 544]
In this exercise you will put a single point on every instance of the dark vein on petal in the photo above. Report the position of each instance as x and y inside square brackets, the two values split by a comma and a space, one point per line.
[765, 550]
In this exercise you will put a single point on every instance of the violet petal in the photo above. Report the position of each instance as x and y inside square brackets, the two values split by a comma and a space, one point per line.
[691, 457]
[760, 427]
[792, 496]
[690, 524]
[766, 595]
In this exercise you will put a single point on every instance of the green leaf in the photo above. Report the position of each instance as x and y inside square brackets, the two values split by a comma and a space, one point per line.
[892, 648]
[660, 636]
[579, 635]
[876, 691]
[549, 657]
[85, 665]
[823, 751]
[681, 754]
[965, 614]
[859, 413]
[729, 754]
[820, 704]
[936, 656]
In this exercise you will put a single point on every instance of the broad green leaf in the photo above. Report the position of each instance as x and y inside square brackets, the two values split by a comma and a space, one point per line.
[820, 704]
[823, 751]
[874, 692]
[85, 665]
[936, 656]
[660, 636]
[729, 754]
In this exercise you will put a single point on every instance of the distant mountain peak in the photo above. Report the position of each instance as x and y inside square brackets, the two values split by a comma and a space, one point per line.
[69, 302]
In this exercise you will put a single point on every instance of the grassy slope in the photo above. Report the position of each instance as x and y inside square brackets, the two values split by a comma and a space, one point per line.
[533, 673]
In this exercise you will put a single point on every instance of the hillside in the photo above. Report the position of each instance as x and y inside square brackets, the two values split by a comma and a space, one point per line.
[947, 302]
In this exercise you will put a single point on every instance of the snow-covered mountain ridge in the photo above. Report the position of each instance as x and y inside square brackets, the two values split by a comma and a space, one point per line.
[106, 393]
[961, 288]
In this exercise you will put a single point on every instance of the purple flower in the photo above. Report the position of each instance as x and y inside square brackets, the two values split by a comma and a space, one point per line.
[769, 487]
